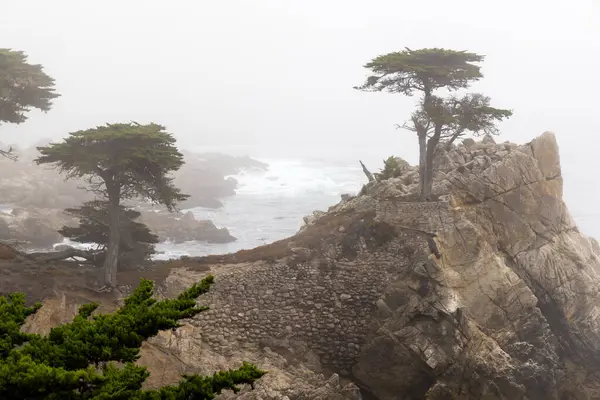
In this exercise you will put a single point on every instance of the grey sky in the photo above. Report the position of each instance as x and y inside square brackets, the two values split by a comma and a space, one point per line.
[272, 76]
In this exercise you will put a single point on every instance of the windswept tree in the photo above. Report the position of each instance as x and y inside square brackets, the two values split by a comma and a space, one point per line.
[137, 242]
[78, 360]
[23, 86]
[118, 162]
[436, 119]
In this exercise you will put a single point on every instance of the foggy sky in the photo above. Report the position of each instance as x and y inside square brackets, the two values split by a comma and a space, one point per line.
[272, 77]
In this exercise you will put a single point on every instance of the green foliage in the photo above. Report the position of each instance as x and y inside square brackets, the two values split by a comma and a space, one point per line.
[76, 361]
[436, 119]
[422, 70]
[472, 112]
[120, 161]
[391, 169]
[23, 86]
[426, 70]
[130, 159]
[136, 240]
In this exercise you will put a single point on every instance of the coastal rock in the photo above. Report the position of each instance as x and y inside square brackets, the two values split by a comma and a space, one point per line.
[509, 309]
[180, 228]
[25, 184]
[33, 227]
[206, 177]
[310, 219]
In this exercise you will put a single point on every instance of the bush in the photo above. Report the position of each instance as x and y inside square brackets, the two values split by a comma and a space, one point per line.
[78, 360]
[392, 168]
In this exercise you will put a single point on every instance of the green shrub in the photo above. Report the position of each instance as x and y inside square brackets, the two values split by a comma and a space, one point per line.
[392, 168]
[78, 360]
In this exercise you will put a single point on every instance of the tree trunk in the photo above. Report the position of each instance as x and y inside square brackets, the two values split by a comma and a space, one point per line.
[422, 163]
[114, 236]
[455, 136]
[430, 154]
[422, 134]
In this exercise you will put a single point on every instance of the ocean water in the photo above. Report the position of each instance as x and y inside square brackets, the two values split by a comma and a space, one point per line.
[270, 205]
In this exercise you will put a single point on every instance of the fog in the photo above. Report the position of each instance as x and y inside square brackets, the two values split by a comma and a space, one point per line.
[272, 78]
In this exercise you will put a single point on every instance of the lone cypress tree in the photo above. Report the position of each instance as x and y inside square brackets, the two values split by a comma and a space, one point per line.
[76, 361]
[426, 71]
[120, 161]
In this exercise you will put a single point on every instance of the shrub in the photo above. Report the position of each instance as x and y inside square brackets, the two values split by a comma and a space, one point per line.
[78, 360]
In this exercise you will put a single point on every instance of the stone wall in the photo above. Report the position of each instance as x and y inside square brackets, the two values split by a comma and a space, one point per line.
[427, 217]
[326, 303]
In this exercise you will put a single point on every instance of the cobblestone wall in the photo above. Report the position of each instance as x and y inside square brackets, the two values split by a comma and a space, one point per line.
[327, 302]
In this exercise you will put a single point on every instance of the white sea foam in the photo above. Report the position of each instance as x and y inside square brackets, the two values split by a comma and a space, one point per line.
[290, 178]
[270, 205]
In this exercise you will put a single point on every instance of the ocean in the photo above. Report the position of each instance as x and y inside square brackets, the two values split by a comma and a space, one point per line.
[270, 205]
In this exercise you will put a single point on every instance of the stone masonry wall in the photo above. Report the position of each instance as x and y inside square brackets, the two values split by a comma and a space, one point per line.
[328, 303]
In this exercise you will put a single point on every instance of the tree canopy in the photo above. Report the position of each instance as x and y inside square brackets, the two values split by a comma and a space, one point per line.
[137, 242]
[436, 118]
[23, 86]
[423, 70]
[77, 360]
[120, 161]
[133, 159]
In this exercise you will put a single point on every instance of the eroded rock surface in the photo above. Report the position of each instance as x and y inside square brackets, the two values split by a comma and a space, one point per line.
[508, 311]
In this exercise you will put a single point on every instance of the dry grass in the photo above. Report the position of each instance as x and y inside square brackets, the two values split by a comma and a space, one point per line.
[344, 229]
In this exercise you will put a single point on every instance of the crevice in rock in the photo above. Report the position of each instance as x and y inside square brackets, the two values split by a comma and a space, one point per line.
[474, 201]
[551, 311]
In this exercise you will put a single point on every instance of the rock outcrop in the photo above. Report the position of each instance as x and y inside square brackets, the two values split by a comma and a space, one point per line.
[180, 228]
[33, 227]
[509, 309]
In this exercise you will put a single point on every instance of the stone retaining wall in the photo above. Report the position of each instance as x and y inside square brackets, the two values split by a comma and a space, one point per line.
[327, 303]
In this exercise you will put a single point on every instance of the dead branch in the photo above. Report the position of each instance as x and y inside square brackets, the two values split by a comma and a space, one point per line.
[368, 173]
[46, 257]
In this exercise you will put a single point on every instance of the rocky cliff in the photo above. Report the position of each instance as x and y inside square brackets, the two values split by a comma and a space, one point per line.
[509, 309]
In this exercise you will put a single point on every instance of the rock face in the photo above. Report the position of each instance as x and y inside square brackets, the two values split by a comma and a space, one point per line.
[510, 309]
